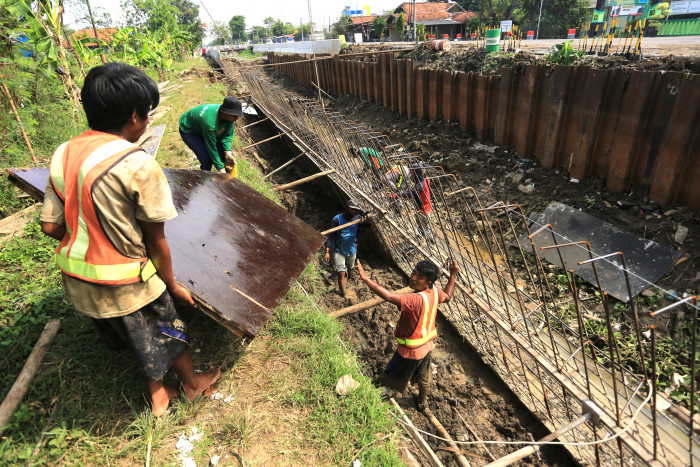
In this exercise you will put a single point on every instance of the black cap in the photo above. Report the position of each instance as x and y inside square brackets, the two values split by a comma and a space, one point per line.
[231, 106]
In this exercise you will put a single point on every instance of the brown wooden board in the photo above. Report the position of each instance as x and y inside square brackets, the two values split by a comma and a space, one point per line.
[236, 251]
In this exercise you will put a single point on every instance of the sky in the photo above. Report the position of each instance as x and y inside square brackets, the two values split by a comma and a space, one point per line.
[287, 10]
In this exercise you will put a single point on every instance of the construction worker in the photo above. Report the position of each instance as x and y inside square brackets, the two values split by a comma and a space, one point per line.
[396, 177]
[106, 202]
[370, 158]
[208, 129]
[416, 327]
[419, 191]
[344, 244]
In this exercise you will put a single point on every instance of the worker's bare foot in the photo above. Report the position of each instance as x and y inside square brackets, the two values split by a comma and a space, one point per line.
[202, 381]
[161, 399]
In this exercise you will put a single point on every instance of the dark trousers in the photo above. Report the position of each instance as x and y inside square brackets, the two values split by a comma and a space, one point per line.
[199, 147]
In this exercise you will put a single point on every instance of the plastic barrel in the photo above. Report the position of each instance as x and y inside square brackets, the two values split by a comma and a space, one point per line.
[445, 36]
[571, 34]
[493, 38]
[459, 37]
[441, 45]
[531, 35]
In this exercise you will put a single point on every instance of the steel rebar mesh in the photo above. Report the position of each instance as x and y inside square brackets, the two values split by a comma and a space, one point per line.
[531, 333]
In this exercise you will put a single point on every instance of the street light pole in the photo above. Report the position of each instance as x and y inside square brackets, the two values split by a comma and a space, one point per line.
[537, 36]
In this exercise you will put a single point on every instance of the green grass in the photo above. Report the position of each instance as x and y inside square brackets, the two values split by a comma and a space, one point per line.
[88, 405]
[248, 54]
[344, 425]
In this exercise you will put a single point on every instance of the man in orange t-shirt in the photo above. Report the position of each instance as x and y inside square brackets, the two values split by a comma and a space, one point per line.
[415, 330]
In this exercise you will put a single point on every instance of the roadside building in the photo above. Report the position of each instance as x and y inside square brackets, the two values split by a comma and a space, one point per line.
[363, 25]
[439, 19]
[105, 36]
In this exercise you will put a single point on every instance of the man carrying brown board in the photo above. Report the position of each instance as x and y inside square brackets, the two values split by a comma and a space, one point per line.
[107, 202]
[416, 327]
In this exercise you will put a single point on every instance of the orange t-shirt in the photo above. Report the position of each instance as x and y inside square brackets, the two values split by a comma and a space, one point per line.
[411, 309]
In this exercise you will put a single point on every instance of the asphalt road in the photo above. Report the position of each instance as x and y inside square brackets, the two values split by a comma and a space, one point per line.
[651, 46]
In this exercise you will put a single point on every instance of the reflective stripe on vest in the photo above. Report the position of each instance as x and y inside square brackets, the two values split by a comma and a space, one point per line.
[425, 329]
[399, 171]
[86, 252]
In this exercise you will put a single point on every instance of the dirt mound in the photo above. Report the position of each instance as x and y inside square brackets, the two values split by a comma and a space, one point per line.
[471, 59]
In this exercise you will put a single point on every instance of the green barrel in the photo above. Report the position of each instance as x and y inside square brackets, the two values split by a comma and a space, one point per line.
[493, 37]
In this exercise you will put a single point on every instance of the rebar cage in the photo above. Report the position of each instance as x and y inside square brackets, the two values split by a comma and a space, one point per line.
[533, 334]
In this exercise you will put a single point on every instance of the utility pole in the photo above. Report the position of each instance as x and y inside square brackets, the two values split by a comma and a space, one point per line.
[301, 25]
[415, 35]
[537, 36]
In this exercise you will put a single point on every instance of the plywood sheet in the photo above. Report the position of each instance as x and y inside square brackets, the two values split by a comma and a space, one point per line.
[236, 251]
[647, 261]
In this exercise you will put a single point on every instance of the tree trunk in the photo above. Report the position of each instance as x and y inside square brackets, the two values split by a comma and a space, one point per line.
[513, 5]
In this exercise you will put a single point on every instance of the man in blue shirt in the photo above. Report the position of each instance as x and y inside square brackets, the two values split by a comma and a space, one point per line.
[344, 242]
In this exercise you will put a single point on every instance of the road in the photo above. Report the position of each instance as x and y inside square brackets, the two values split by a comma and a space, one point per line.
[651, 46]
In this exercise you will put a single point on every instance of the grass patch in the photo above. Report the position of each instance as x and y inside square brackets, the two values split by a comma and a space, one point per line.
[88, 405]
[248, 54]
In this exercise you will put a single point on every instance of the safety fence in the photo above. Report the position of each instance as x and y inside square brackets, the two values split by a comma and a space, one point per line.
[535, 334]
[633, 127]
[679, 27]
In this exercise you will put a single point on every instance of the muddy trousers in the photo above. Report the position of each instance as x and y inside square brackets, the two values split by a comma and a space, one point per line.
[399, 371]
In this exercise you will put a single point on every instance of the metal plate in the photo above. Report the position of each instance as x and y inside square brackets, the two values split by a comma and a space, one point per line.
[647, 261]
[236, 251]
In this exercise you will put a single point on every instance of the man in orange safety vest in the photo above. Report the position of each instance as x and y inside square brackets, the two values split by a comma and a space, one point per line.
[415, 330]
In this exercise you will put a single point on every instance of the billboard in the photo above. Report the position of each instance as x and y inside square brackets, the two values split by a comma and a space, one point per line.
[684, 8]
[633, 10]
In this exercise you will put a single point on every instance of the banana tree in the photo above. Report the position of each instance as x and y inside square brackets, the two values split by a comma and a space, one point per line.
[89, 57]
[43, 29]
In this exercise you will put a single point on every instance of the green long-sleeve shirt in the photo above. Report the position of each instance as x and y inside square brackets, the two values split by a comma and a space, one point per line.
[204, 121]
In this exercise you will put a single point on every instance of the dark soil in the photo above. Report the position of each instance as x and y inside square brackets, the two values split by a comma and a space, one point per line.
[474, 60]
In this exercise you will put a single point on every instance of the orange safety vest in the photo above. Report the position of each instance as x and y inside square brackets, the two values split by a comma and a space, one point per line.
[85, 251]
[424, 329]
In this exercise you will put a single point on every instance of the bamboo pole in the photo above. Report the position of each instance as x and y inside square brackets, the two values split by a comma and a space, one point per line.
[29, 371]
[304, 180]
[417, 438]
[19, 121]
[366, 305]
[341, 227]
[284, 165]
[476, 437]
[253, 124]
[461, 460]
[528, 450]
[259, 142]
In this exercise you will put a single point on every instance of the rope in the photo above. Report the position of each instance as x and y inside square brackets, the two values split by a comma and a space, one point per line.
[536, 443]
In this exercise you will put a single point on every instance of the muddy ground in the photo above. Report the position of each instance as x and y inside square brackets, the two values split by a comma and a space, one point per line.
[468, 58]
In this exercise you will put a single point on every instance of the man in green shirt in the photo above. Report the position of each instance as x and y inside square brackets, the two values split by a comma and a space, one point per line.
[370, 158]
[207, 130]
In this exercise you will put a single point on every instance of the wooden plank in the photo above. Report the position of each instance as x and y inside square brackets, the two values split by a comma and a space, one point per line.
[416, 437]
[216, 243]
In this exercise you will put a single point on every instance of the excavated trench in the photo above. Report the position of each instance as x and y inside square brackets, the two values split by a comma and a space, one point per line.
[468, 398]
